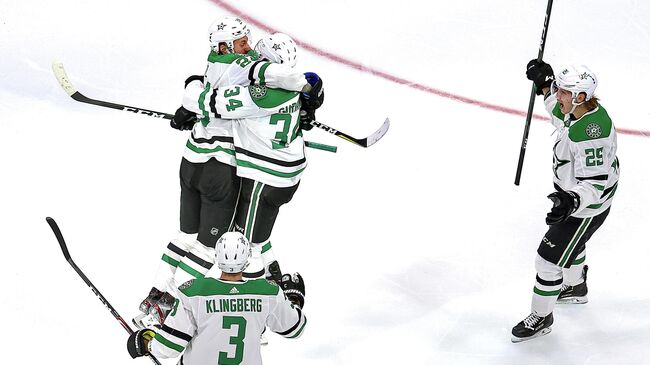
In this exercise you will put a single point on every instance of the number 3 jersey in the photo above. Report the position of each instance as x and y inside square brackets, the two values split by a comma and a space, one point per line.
[212, 137]
[220, 322]
[584, 157]
[265, 123]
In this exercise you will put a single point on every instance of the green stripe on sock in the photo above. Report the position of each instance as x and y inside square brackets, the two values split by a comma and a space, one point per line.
[190, 270]
[579, 261]
[170, 261]
[545, 293]
[266, 247]
[301, 329]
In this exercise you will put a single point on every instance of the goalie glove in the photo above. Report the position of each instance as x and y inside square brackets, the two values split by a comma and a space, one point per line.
[294, 288]
[138, 342]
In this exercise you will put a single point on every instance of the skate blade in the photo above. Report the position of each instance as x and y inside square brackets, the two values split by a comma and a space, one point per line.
[574, 300]
[543, 332]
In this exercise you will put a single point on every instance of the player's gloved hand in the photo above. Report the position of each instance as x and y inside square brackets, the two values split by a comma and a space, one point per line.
[540, 73]
[306, 116]
[313, 99]
[138, 342]
[294, 288]
[564, 204]
[183, 119]
[193, 78]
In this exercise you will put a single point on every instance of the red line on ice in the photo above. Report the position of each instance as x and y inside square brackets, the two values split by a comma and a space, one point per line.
[398, 80]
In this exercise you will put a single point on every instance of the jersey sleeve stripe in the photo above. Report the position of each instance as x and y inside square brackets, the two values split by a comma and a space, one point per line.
[293, 328]
[597, 177]
[213, 103]
[176, 333]
[297, 334]
[260, 75]
[251, 72]
[269, 159]
[165, 342]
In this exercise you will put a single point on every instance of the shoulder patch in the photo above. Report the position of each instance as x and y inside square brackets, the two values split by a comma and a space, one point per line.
[186, 284]
[593, 130]
[257, 91]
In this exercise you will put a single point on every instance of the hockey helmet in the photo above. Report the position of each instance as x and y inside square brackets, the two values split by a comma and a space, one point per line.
[278, 48]
[226, 30]
[232, 252]
[576, 79]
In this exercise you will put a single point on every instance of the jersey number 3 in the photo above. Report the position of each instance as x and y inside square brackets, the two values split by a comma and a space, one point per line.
[237, 340]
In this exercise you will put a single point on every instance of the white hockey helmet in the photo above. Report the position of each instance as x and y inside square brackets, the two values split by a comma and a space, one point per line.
[278, 48]
[232, 252]
[226, 30]
[576, 79]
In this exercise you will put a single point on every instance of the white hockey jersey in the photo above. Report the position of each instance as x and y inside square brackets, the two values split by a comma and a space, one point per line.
[268, 142]
[213, 137]
[584, 157]
[220, 322]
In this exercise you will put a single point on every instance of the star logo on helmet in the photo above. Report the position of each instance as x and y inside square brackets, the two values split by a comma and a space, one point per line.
[276, 47]
[221, 26]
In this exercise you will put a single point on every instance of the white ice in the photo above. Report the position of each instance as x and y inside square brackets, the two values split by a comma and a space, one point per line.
[418, 250]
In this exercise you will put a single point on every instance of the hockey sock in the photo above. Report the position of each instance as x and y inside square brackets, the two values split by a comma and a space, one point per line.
[573, 275]
[547, 286]
[196, 263]
[174, 252]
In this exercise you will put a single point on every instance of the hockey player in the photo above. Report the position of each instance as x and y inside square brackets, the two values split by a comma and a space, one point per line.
[219, 321]
[585, 176]
[209, 185]
[269, 149]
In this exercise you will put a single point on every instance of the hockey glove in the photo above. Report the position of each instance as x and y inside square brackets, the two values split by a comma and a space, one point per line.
[294, 288]
[138, 342]
[183, 119]
[564, 204]
[540, 73]
[306, 116]
[313, 99]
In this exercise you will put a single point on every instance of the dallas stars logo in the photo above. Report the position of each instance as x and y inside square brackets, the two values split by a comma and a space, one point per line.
[257, 91]
[221, 26]
[557, 162]
[593, 130]
[276, 46]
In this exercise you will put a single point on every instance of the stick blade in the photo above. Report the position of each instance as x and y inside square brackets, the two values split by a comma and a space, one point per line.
[59, 237]
[372, 139]
[62, 77]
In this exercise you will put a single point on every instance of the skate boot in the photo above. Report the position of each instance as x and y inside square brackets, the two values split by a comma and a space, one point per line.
[273, 272]
[576, 294]
[154, 308]
[531, 327]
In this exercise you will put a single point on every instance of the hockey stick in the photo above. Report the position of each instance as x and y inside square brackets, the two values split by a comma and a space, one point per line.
[363, 142]
[65, 83]
[531, 103]
[66, 254]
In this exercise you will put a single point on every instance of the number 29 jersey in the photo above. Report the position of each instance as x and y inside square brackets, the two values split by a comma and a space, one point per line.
[584, 157]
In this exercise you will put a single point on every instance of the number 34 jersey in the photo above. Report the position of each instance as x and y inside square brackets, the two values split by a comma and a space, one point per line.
[265, 126]
[584, 157]
[220, 322]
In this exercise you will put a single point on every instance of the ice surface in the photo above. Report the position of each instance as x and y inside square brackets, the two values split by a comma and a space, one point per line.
[418, 250]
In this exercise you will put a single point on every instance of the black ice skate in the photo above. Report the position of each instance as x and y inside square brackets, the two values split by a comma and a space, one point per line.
[155, 308]
[576, 294]
[531, 327]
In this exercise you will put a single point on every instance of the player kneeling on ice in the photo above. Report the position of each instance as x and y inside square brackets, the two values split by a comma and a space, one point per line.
[586, 174]
[220, 320]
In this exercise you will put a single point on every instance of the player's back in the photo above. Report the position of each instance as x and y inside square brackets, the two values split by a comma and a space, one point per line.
[229, 318]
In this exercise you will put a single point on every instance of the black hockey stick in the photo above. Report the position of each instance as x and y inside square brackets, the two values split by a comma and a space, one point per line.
[65, 83]
[66, 254]
[531, 103]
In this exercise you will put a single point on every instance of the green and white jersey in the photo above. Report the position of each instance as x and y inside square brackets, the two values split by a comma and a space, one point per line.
[268, 143]
[220, 322]
[212, 137]
[584, 157]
